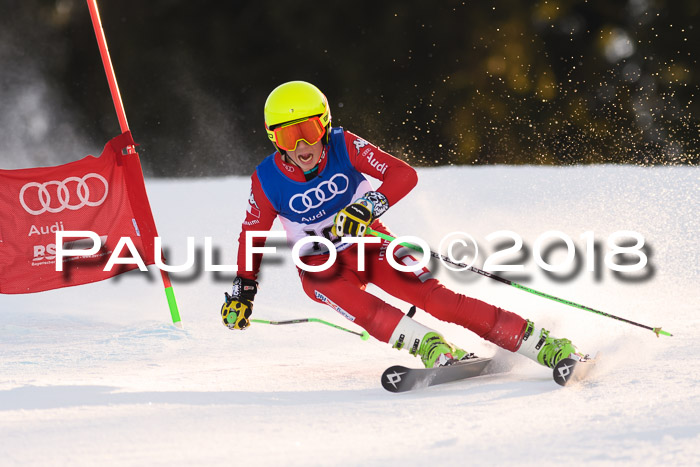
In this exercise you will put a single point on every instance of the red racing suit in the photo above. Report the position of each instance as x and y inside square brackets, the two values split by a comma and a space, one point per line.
[342, 286]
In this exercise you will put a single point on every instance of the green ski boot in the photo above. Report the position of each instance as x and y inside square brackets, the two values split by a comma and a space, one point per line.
[545, 350]
[422, 341]
[434, 351]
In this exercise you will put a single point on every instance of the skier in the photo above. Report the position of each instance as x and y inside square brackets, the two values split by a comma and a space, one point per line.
[314, 183]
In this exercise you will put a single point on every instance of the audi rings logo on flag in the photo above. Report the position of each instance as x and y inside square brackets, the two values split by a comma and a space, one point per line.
[72, 193]
[315, 197]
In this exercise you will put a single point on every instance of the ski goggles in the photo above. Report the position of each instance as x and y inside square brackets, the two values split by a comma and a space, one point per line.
[288, 136]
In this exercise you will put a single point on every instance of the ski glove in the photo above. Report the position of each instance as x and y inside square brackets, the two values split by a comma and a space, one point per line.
[354, 219]
[237, 307]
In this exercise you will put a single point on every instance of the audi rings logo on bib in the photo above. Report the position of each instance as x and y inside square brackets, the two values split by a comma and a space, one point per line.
[315, 197]
[72, 193]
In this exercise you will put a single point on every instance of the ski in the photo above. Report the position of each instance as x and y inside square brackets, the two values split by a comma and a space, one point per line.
[570, 370]
[401, 379]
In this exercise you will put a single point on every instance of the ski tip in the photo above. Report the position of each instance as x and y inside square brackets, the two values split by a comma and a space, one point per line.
[564, 370]
[392, 376]
[570, 370]
[178, 324]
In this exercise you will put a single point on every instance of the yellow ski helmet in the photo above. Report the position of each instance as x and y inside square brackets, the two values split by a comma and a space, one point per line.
[294, 102]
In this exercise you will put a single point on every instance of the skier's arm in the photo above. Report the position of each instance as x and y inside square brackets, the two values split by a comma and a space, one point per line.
[260, 216]
[398, 178]
[237, 307]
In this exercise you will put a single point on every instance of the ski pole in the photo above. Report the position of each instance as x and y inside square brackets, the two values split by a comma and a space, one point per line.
[658, 331]
[364, 334]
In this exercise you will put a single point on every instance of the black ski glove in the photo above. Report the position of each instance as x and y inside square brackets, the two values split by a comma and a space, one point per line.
[354, 219]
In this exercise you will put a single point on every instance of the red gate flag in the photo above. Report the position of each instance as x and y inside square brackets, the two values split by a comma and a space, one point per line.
[105, 195]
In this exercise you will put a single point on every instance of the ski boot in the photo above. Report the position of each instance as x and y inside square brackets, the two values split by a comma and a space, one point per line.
[434, 351]
[545, 350]
[426, 343]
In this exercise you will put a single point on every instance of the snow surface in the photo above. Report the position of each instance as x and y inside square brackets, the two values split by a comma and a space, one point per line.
[96, 375]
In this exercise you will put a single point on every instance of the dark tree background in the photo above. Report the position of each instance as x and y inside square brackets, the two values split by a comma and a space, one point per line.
[433, 82]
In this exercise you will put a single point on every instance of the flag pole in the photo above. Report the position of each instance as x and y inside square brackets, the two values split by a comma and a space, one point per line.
[124, 126]
[107, 64]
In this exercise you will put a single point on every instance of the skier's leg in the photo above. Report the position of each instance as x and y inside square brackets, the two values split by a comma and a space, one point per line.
[504, 328]
[343, 289]
[345, 293]
[492, 323]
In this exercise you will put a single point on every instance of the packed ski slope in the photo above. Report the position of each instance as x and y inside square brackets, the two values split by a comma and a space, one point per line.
[95, 375]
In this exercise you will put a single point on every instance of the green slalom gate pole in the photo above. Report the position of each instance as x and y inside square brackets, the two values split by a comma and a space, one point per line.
[658, 331]
[364, 334]
[172, 305]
